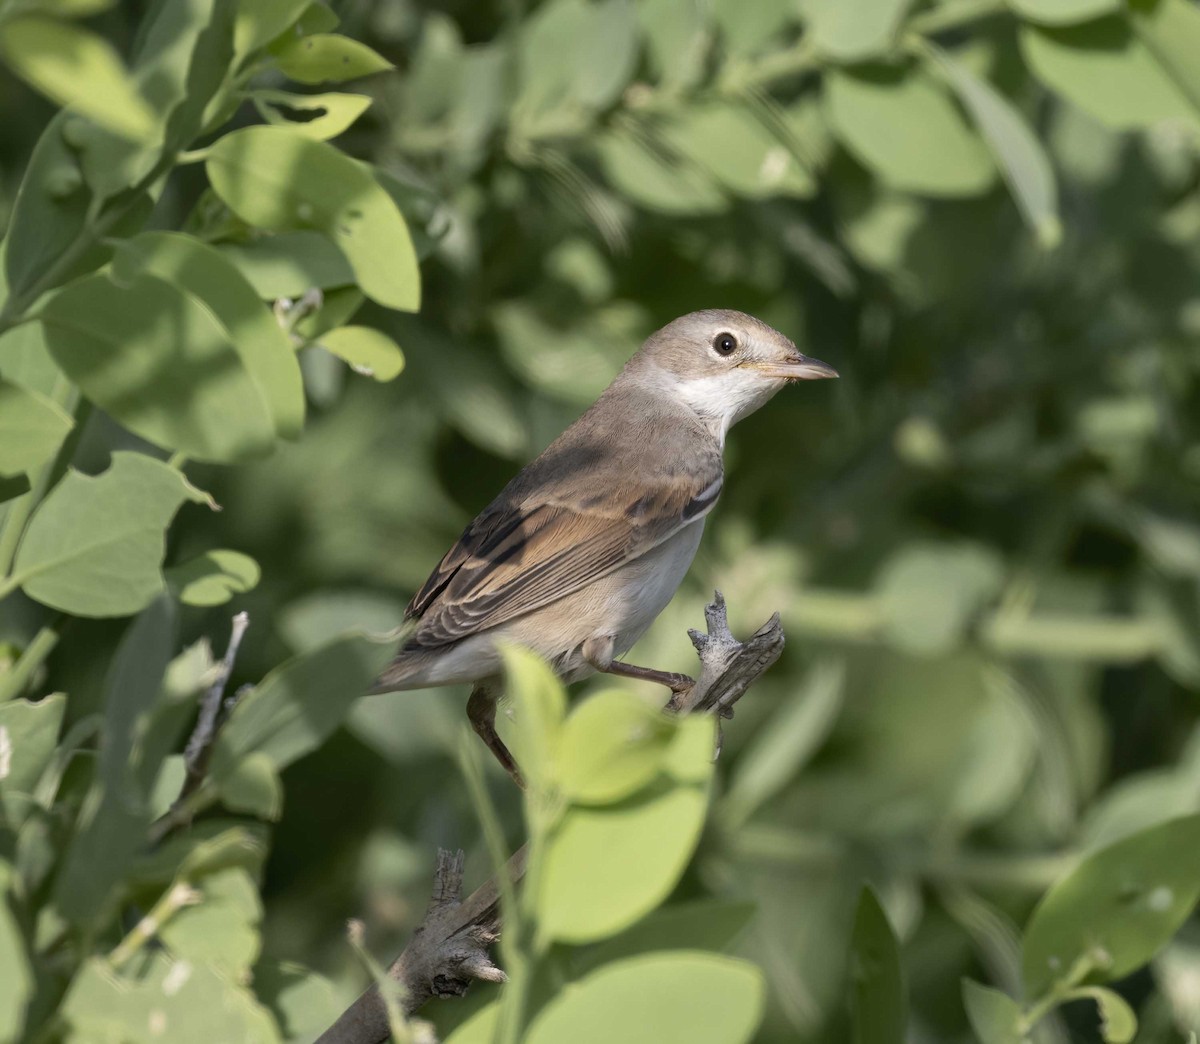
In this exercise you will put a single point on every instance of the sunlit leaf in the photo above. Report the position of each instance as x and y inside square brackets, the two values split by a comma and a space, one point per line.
[325, 116]
[76, 68]
[903, 124]
[276, 178]
[1110, 69]
[214, 577]
[679, 995]
[590, 888]
[539, 705]
[325, 57]
[612, 744]
[1118, 1023]
[366, 350]
[1063, 12]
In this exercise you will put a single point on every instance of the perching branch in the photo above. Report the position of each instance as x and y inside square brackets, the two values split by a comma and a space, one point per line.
[214, 712]
[450, 947]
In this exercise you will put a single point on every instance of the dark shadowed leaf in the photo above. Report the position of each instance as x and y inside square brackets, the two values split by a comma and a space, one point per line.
[879, 995]
[95, 546]
[261, 344]
[159, 360]
[32, 427]
[995, 1016]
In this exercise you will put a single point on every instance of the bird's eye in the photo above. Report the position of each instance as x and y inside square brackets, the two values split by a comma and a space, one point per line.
[724, 343]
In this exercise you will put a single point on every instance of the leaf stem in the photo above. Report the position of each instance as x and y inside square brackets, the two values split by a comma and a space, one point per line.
[13, 682]
[174, 899]
[1080, 970]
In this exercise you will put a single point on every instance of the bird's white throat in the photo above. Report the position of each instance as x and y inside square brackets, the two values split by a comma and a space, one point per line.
[721, 400]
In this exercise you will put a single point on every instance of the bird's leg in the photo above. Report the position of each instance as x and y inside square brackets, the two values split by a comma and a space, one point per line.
[598, 654]
[481, 710]
[671, 679]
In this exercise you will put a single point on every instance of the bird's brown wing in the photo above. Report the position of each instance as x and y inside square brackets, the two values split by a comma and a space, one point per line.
[519, 556]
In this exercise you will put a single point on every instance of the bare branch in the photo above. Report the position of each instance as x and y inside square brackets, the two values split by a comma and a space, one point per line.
[450, 947]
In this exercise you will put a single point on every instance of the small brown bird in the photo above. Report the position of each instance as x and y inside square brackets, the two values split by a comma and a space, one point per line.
[587, 544]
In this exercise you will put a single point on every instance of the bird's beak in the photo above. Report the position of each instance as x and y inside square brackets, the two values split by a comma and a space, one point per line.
[798, 368]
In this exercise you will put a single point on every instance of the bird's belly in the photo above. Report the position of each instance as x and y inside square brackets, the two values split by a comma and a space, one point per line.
[643, 588]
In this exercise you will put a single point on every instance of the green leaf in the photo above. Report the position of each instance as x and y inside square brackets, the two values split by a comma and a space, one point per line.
[325, 57]
[677, 39]
[704, 924]
[214, 577]
[681, 995]
[328, 115]
[903, 124]
[28, 734]
[729, 143]
[295, 707]
[171, 999]
[653, 178]
[303, 1002]
[32, 428]
[929, 592]
[49, 212]
[16, 975]
[1170, 29]
[879, 996]
[258, 22]
[94, 546]
[853, 32]
[367, 351]
[1110, 69]
[263, 347]
[183, 53]
[574, 55]
[613, 743]
[253, 787]
[159, 360]
[590, 887]
[142, 724]
[539, 705]
[79, 69]
[1117, 909]
[288, 264]
[1118, 1023]
[222, 928]
[995, 1016]
[275, 178]
[1063, 12]
[1018, 153]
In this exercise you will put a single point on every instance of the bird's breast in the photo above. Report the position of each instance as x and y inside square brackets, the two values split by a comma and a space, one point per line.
[641, 589]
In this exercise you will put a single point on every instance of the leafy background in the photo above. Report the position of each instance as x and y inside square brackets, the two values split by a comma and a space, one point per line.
[983, 539]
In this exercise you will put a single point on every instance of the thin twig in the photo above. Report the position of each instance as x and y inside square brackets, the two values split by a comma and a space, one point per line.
[214, 711]
[450, 947]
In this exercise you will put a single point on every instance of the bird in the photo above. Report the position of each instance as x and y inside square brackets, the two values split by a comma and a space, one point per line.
[586, 545]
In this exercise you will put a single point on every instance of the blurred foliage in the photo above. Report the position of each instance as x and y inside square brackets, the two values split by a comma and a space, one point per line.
[983, 540]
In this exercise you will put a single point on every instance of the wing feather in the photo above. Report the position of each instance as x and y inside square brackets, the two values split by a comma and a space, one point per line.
[522, 554]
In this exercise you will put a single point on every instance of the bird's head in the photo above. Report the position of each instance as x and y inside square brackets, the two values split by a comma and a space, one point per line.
[723, 364]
